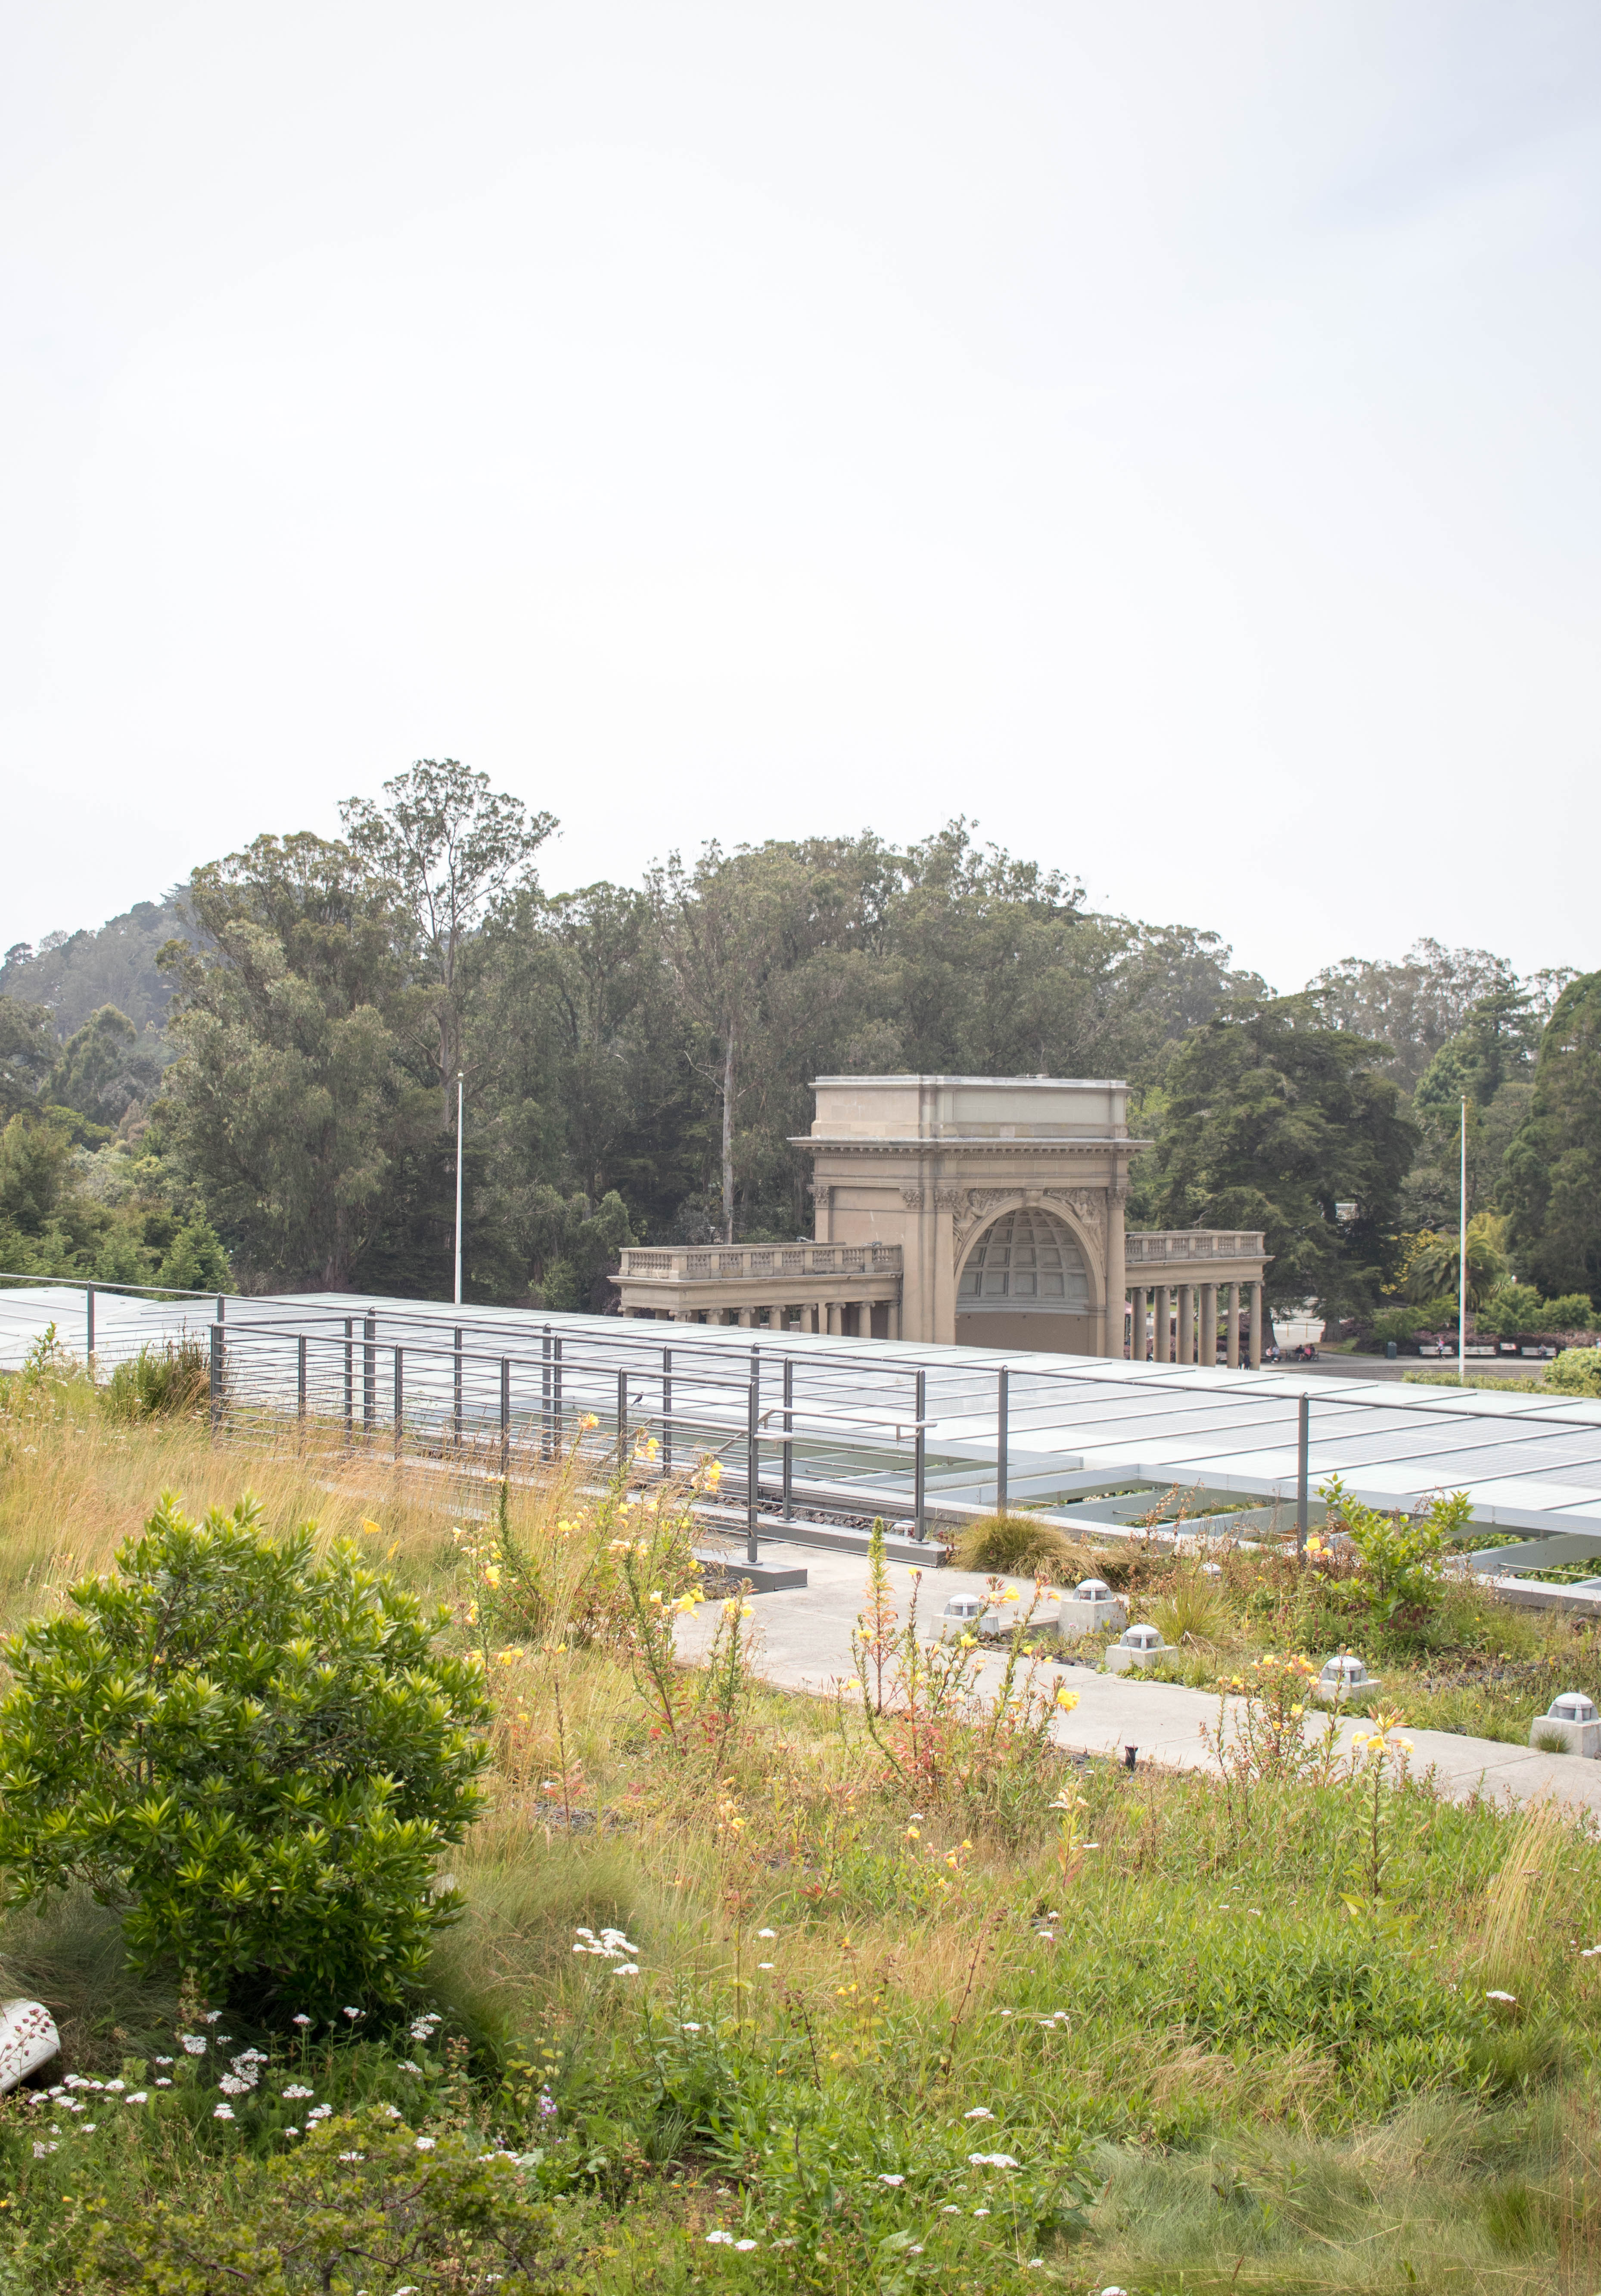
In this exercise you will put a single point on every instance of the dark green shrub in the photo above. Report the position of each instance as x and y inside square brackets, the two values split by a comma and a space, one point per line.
[364, 2202]
[1573, 1311]
[160, 1382]
[1014, 1543]
[259, 1756]
[1577, 1371]
[1512, 1309]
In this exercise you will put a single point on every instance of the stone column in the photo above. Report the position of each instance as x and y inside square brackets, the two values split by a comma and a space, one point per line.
[894, 1316]
[1258, 1322]
[1165, 1325]
[836, 1321]
[775, 1319]
[1209, 1325]
[1117, 1274]
[1186, 1350]
[1233, 1289]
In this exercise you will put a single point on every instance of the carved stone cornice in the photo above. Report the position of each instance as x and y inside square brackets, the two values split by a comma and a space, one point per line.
[967, 1148]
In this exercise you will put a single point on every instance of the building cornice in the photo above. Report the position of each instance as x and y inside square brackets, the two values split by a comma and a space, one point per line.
[964, 1144]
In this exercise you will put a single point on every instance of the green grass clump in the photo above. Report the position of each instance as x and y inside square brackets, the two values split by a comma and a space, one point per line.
[1019, 1545]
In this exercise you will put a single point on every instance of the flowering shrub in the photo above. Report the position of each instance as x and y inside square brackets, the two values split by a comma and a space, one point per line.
[1402, 1555]
[265, 1753]
[364, 2202]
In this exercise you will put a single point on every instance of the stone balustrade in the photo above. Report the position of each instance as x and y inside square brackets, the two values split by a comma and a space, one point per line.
[710, 1263]
[1181, 1246]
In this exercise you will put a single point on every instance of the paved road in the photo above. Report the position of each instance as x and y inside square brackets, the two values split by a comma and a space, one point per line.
[805, 1644]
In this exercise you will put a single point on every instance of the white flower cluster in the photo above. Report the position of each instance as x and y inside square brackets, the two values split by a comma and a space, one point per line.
[424, 2028]
[244, 2072]
[611, 1945]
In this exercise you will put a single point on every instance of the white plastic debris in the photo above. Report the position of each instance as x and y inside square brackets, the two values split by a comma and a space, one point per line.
[28, 2039]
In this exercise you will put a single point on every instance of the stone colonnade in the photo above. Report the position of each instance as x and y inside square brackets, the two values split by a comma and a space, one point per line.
[851, 1318]
[1182, 1326]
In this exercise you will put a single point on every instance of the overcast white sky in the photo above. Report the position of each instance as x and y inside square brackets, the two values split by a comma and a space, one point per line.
[1166, 433]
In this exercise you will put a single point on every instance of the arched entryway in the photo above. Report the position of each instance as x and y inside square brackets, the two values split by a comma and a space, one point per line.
[1024, 1285]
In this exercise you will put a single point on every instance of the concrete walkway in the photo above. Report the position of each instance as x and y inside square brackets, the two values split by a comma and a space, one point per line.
[805, 1644]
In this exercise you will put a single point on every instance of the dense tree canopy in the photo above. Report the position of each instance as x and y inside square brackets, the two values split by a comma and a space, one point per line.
[638, 1059]
[1273, 1120]
[1552, 1187]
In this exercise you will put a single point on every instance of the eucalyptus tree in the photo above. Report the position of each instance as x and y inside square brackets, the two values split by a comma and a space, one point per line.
[1551, 1186]
[458, 852]
[303, 1071]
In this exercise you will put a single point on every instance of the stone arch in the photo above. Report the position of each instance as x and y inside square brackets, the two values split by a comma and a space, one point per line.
[1028, 1280]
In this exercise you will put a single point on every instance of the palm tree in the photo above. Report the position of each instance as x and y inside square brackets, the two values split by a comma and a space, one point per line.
[1433, 1264]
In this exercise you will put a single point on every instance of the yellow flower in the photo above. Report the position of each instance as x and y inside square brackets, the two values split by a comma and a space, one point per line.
[1066, 1700]
[914, 1834]
[372, 1529]
[686, 1604]
[492, 1577]
[1296, 1712]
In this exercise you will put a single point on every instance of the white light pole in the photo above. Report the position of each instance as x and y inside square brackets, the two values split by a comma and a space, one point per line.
[459, 1088]
[1462, 1257]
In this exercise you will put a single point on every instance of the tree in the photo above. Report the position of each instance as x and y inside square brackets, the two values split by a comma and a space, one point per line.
[1412, 1007]
[1488, 1063]
[1273, 1119]
[457, 852]
[729, 929]
[1433, 1265]
[1551, 1187]
[69, 976]
[26, 1052]
[297, 1085]
[105, 1069]
[259, 1755]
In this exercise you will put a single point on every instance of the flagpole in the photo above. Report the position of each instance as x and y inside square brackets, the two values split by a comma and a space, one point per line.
[1462, 1257]
[458, 1187]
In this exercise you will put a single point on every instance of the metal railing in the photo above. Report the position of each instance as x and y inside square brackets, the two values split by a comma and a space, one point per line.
[396, 1385]
[799, 1424]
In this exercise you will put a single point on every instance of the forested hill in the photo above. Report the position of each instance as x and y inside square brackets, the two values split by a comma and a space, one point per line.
[266, 1062]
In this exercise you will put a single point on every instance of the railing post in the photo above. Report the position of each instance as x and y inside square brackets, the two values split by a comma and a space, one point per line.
[399, 1397]
[1304, 1446]
[89, 1344]
[666, 1411]
[556, 1387]
[369, 1373]
[622, 1414]
[1002, 1401]
[217, 1377]
[505, 1413]
[456, 1378]
[544, 1395]
[222, 1305]
[920, 1400]
[753, 1409]
[301, 1377]
[789, 1438]
[350, 1379]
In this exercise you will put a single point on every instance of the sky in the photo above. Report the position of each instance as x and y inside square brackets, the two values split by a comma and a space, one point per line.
[1166, 436]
